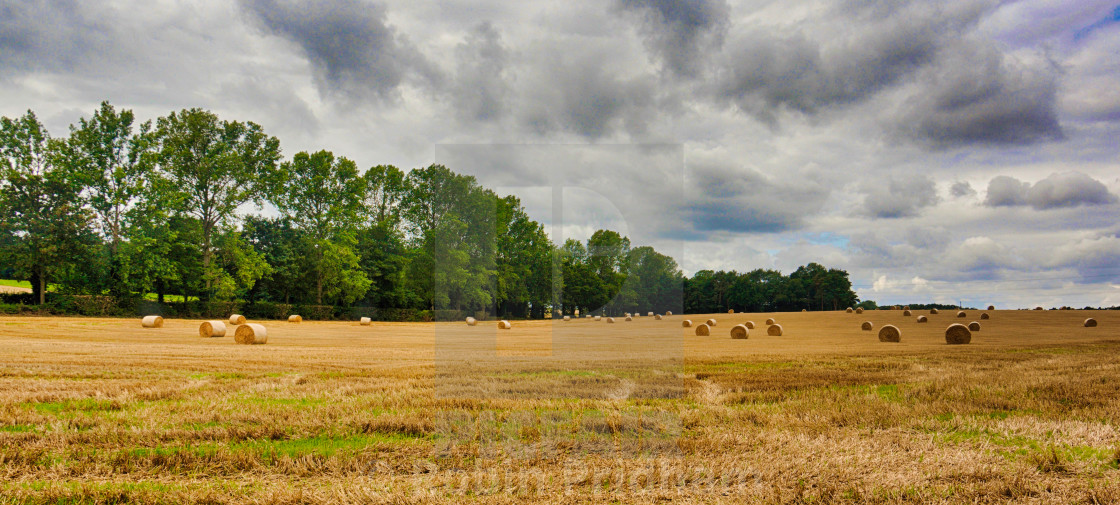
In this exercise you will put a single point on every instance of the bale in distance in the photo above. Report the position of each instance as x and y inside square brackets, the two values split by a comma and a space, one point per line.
[1090, 323]
[770, 320]
[236, 319]
[907, 313]
[775, 330]
[628, 318]
[295, 318]
[686, 323]
[598, 318]
[212, 329]
[649, 314]
[365, 321]
[1039, 308]
[504, 325]
[991, 307]
[668, 312]
[906, 307]
[804, 310]
[984, 315]
[152, 322]
[849, 310]
[710, 322]
[866, 326]
[610, 320]
[703, 330]
[627, 314]
[957, 334]
[923, 319]
[471, 321]
[749, 325]
[657, 317]
[567, 318]
[890, 333]
[740, 332]
[974, 326]
[859, 310]
[251, 334]
[730, 311]
[933, 311]
[961, 314]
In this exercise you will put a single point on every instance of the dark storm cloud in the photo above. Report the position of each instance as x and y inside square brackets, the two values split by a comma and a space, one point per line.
[960, 189]
[481, 91]
[578, 92]
[739, 201]
[899, 196]
[48, 35]
[977, 95]
[764, 70]
[681, 32]
[348, 43]
[1068, 189]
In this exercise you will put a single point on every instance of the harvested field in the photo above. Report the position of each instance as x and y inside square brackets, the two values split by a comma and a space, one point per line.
[102, 410]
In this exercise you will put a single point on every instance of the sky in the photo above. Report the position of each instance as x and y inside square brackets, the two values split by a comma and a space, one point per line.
[959, 151]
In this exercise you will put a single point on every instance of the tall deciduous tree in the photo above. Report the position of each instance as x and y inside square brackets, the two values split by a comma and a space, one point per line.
[41, 204]
[217, 166]
[323, 196]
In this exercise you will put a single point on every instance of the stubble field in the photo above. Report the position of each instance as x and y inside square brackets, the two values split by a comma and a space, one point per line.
[104, 411]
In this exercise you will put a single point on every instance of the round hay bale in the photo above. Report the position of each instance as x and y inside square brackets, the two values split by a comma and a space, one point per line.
[867, 326]
[628, 318]
[295, 318]
[933, 311]
[627, 314]
[471, 321]
[859, 310]
[657, 317]
[152, 322]
[775, 330]
[504, 325]
[730, 311]
[598, 318]
[740, 332]
[749, 325]
[610, 320]
[957, 334]
[991, 307]
[907, 313]
[703, 330]
[686, 323]
[649, 314]
[906, 307]
[923, 319]
[984, 315]
[889, 333]
[567, 318]
[236, 319]
[961, 313]
[974, 326]
[804, 310]
[710, 322]
[1090, 323]
[849, 310]
[668, 312]
[212, 329]
[251, 334]
[770, 320]
[1039, 308]
[365, 321]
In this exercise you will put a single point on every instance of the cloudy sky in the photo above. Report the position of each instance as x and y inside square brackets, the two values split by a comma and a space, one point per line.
[936, 150]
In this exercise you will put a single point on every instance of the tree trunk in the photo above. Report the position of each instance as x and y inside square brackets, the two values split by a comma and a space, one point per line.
[206, 253]
[159, 291]
[42, 289]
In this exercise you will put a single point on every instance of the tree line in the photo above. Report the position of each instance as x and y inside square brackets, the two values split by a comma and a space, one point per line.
[124, 209]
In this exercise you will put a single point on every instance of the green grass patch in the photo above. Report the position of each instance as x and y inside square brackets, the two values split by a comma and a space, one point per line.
[82, 405]
[17, 428]
[15, 284]
[217, 375]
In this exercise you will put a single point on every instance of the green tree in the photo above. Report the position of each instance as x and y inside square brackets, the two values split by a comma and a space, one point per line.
[110, 158]
[40, 202]
[322, 195]
[216, 166]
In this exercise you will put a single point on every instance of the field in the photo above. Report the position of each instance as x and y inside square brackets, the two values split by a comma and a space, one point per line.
[104, 411]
